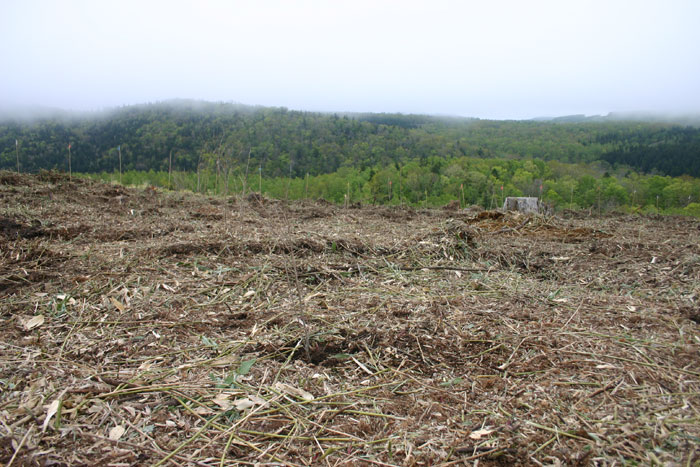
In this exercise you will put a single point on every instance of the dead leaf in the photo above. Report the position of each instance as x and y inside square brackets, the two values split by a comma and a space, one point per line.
[310, 296]
[248, 402]
[300, 393]
[50, 412]
[257, 400]
[226, 360]
[35, 322]
[117, 304]
[116, 432]
[478, 434]
[222, 400]
[203, 410]
[242, 404]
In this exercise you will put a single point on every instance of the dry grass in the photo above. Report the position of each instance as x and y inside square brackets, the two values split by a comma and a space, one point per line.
[141, 327]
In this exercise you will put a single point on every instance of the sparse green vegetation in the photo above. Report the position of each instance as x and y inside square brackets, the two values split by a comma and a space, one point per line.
[470, 181]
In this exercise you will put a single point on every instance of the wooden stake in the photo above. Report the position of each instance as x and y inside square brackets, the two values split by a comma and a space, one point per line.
[17, 153]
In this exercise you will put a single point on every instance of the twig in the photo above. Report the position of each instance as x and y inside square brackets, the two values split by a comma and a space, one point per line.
[596, 392]
[471, 458]
[572, 315]
[189, 440]
[21, 444]
[441, 268]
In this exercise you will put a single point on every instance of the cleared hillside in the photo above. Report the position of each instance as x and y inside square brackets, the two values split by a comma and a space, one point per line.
[141, 327]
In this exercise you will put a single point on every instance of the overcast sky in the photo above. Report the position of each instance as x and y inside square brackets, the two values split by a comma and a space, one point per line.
[481, 58]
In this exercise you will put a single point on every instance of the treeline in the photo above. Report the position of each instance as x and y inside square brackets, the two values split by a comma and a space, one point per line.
[190, 136]
[435, 182]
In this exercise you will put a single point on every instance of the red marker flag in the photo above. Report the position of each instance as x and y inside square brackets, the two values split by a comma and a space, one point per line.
[501, 187]
[68, 145]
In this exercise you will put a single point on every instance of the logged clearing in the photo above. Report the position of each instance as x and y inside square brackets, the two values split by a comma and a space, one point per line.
[148, 327]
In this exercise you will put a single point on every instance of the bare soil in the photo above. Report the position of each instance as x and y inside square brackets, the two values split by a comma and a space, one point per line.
[141, 327]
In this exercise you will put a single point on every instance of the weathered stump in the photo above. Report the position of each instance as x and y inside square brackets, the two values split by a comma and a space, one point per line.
[522, 204]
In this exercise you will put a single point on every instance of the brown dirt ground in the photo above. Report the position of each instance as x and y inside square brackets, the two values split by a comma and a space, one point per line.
[143, 327]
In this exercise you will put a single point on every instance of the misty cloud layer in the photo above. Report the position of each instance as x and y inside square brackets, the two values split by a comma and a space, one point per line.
[500, 59]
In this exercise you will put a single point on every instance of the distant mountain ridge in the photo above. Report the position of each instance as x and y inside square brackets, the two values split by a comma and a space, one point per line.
[283, 142]
[689, 119]
[23, 113]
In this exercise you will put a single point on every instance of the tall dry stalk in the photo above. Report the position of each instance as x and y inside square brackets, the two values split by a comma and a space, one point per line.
[119, 151]
[199, 169]
[571, 202]
[289, 181]
[227, 175]
[216, 181]
[170, 169]
[303, 315]
[400, 198]
[245, 178]
[70, 170]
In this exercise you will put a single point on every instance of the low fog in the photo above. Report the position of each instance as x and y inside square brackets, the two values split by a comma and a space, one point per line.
[501, 59]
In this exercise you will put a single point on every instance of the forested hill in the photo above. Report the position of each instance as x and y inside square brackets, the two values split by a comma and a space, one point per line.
[673, 151]
[281, 141]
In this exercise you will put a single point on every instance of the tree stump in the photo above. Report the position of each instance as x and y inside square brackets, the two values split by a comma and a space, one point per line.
[522, 204]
